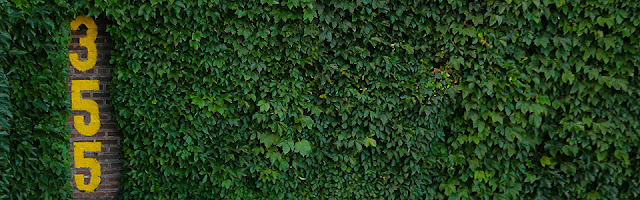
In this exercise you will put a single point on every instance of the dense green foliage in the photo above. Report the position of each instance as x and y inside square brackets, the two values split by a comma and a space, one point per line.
[334, 99]
[551, 102]
[289, 100]
[337, 99]
[5, 116]
[33, 54]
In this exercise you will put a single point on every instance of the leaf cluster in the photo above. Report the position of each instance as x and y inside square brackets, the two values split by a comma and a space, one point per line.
[550, 99]
[349, 99]
[291, 99]
[377, 99]
[34, 103]
[5, 116]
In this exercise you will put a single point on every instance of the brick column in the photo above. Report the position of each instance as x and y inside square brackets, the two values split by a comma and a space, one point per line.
[110, 158]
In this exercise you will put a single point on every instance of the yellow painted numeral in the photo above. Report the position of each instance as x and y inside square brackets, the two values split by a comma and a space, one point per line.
[81, 162]
[77, 103]
[85, 104]
[89, 42]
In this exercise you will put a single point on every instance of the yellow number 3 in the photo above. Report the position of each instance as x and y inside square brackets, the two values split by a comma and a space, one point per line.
[81, 162]
[89, 42]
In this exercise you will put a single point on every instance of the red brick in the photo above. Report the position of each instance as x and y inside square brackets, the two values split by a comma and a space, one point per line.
[114, 149]
[109, 186]
[116, 165]
[109, 156]
[115, 179]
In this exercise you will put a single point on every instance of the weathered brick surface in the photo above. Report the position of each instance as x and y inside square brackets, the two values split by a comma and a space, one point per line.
[110, 158]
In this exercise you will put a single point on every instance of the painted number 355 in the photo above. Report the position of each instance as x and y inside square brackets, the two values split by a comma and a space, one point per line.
[77, 103]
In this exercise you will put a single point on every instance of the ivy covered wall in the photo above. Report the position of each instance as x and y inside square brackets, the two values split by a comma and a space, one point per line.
[377, 99]
[361, 99]
[265, 100]
[34, 106]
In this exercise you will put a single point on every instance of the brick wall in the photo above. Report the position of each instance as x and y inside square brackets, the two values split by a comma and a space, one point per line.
[110, 158]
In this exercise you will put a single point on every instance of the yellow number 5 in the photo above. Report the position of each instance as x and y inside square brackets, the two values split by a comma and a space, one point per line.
[89, 42]
[81, 162]
[85, 104]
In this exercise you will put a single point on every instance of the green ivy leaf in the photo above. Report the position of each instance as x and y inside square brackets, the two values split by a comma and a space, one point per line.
[303, 147]
[531, 178]
[544, 161]
[264, 106]
[370, 142]
[309, 14]
[269, 139]
[227, 183]
[287, 146]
